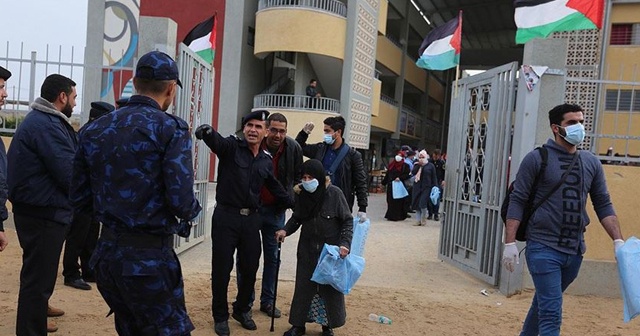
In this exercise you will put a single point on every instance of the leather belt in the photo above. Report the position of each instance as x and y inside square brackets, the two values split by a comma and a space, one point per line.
[135, 239]
[241, 211]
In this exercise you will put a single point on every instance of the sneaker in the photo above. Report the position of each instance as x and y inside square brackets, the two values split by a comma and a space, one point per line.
[295, 331]
[417, 223]
[78, 284]
[54, 312]
[326, 331]
[430, 217]
[245, 320]
[269, 309]
[222, 328]
[436, 218]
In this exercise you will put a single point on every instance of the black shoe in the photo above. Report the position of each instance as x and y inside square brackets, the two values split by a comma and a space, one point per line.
[326, 331]
[222, 328]
[268, 309]
[89, 278]
[295, 331]
[436, 218]
[430, 217]
[78, 284]
[245, 320]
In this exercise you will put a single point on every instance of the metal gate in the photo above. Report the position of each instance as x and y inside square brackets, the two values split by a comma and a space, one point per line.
[194, 103]
[477, 167]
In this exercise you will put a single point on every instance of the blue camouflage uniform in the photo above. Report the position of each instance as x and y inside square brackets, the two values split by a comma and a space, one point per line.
[134, 171]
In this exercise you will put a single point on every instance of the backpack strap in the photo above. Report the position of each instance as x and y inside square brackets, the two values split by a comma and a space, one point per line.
[334, 166]
[561, 182]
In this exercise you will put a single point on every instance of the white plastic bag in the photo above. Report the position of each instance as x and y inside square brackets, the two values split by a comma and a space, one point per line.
[628, 256]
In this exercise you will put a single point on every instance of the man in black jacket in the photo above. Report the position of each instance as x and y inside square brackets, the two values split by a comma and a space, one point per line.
[342, 163]
[39, 176]
[287, 158]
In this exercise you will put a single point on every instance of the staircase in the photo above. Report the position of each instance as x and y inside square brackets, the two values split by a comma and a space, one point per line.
[281, 82]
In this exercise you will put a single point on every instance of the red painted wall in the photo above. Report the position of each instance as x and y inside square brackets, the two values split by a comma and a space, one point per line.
[188, 14]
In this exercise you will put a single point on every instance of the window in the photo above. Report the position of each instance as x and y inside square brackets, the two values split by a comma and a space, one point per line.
[622, 100]
[625, 34]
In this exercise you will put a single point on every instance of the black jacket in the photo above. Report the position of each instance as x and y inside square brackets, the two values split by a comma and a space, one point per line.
[289, 165]
[353, 179]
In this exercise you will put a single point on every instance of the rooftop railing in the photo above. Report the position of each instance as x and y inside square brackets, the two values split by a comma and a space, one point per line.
[296, 102]
[331, 6]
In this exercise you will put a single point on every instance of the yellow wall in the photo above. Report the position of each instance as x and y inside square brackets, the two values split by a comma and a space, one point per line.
[389, 55]
[300, 30]
[620, 124]
[387, 118]
[414, 75]
[625, 13]
[382, 16]
[436, 90]
[297, 119]
[622, 182]
[375, 106]
[621, 59]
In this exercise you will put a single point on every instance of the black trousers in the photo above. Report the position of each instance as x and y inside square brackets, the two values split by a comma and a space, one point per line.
[76, 239]
[231, 231]
[87, 250]
[41, 242]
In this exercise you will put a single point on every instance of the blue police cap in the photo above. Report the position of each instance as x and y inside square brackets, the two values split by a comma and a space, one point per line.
[261, 115]
[156, 65]
[4, 73]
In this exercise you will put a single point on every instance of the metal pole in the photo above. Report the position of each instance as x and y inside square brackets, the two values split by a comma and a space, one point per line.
[32, 78]
[275, 288]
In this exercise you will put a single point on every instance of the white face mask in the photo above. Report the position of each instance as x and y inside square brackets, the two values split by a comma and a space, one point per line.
[422, 161]
[398, 158]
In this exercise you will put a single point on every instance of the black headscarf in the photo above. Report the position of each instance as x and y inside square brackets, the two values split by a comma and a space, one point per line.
[309, 204]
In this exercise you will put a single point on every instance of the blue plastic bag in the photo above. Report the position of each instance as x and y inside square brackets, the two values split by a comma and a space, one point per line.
[628, 257]
[435, 195]
[399, 191]
[360, 232]
[340, 273]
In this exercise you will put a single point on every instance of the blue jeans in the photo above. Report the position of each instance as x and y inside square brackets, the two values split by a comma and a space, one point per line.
[272, 221]
[552, 272]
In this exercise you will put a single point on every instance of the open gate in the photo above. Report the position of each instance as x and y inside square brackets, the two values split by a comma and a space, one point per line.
[194, 104]
[477, 168]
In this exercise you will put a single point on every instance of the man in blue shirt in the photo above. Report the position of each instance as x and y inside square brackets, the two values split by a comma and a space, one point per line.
[134, 172]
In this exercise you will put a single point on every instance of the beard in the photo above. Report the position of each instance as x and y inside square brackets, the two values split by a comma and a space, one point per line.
[67, 110]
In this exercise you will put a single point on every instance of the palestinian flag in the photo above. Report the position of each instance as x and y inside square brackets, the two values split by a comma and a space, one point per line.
[440, 50]
[540, 18]
[202, 39]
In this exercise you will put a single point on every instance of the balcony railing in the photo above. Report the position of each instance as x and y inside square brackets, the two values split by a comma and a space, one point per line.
[388, 100]
[331, 6]
[296, 102]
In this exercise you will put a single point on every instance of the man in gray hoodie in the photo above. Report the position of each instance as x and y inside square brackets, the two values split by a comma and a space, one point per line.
[555, 233]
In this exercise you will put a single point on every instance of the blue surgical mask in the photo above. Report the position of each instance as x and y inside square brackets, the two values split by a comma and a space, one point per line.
[328, 139]
[310, 185]
[574, 134]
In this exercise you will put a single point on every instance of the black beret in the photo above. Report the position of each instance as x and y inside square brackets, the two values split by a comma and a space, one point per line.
[4, 73]
[100, 108]
[410, 152]
[261, 115]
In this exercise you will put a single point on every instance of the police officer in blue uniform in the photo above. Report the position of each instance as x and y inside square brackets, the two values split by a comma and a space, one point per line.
[243, 169]
[134, 172]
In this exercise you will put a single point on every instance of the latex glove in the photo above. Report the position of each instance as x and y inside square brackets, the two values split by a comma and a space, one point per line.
[280, 235]
[343, 252]
[203, 130]
[510, 256]
[308, 127]
[617, 244]
[362, 217]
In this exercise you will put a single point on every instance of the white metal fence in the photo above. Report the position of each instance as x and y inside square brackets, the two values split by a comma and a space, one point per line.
[296, 102]
[331, 6]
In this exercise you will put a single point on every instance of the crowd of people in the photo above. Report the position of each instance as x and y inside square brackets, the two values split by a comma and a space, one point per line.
[121, 188]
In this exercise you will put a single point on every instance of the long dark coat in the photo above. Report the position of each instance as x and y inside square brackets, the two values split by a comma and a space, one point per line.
[334, 226]
[396, 210]
[422, 189]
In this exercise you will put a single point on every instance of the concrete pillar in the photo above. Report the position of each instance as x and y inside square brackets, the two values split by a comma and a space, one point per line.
[531, 125]
[158, 33]
[93, 57]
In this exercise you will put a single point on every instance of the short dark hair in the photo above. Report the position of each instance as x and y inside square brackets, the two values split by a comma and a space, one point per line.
[336, 123]
[276, 117]
[312, 80]
[150, 86]
[53, 85]
[436, 151]
[556, 115]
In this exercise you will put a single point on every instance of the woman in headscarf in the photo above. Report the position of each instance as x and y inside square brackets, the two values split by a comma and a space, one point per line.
[398, 170]
[322, 211]
[425, 179]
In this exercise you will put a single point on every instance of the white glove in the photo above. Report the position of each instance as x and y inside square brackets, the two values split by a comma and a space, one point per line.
[617, 244]
[308, 127]
[362, 217]
[510, 256]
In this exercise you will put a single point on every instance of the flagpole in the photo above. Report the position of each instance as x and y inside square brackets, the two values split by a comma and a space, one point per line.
[456, 82]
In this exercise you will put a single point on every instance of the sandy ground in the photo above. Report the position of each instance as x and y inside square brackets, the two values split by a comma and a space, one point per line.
[403, 280]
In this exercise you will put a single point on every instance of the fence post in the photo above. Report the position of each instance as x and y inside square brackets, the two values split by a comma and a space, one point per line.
[32, 78]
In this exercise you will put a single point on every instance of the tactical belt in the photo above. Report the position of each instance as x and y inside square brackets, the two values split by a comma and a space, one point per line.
[241, 211]
[135, 239]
